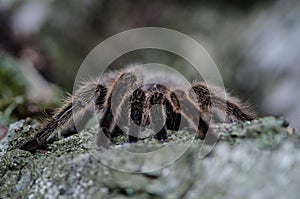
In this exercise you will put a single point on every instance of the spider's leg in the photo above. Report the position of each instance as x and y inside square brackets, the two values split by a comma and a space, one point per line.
[158, 116]
[137, 116]
[190, 111]
[73, 106]
[206, 99]
[124, 84]
[173, 118]
[122, 120]
[117, 131]
[238, 110]
[202, 96]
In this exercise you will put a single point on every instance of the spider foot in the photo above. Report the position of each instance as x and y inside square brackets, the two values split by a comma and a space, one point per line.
[162, 136]
[31, 146]
[132, 139]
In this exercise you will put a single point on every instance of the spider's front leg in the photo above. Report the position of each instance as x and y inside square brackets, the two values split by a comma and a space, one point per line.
[136, 114]
[75, 105]
[145, 107]
[119, 91]
[158, 116]
[173, 119]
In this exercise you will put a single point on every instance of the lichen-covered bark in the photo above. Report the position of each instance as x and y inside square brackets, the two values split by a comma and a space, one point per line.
[259, 159]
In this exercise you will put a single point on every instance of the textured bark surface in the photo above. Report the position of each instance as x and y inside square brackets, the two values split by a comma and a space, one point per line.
[253, 160]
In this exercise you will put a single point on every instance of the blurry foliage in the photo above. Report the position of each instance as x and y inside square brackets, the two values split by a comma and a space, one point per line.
[15, 99]
[254, 43]
[12, 84]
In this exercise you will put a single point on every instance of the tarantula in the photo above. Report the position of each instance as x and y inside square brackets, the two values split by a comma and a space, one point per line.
[136, 101]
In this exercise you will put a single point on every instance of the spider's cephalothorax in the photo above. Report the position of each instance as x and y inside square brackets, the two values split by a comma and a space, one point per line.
[125, 97]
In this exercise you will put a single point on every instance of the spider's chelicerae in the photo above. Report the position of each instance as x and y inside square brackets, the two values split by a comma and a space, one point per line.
[137, 99]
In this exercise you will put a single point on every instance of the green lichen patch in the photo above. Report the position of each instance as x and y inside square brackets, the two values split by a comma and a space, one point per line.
[268, 132]
[249, 156]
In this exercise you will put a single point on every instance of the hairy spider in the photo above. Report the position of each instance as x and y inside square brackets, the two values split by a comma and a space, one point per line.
[130, 98]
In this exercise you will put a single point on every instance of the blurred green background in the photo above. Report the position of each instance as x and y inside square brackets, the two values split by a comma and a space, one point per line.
[255, 44]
